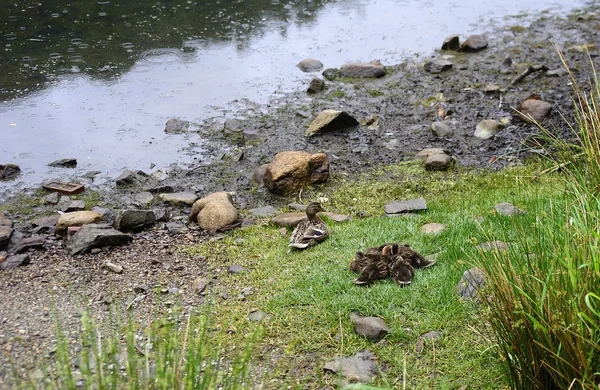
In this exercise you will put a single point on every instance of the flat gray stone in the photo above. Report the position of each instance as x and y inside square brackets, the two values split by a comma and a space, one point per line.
[310, 65]
[263, 212]
[21, 244]
[258, 316]
[425, 153]
[439, 162]
[429, 336]
[433, 228]
[176, 228]
[176, 126]
[237, 269]
[179, 198]
[406, 206]
[372, 328]
[114, 267]
[438, 65]
[288, 219]
[75, 205]
[96, 236]
[493, 245]
[130, 178]
[471, 282]
[52, 198]
[361, 367]
[199, 284]
[14, 261]
[508, 209]
[474, 43]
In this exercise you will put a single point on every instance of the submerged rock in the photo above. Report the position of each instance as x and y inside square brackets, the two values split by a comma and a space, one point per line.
[452, 42]
[316, 85]
[9, 171]
[64, 163]
[176, 126]
[310, 65]
[474, 43]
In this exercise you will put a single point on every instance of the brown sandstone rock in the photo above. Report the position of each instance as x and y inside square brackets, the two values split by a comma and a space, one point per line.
[290, 171]
[214, 211]
[77, 218]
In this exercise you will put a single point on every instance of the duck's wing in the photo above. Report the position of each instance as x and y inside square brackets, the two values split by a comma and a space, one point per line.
[372, 272]
[315, 232]
[297, 233]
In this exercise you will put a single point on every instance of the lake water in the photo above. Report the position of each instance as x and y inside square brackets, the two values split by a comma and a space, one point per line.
[97, 81]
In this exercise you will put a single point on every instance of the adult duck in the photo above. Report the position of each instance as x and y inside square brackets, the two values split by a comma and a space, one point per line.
[311, 231]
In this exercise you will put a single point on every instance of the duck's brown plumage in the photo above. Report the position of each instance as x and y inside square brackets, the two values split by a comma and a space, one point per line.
[311, 231]
[401, 271]
[376, 265]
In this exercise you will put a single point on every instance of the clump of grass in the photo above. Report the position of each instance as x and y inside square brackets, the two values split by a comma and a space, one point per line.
[168, 354]
[544, 306]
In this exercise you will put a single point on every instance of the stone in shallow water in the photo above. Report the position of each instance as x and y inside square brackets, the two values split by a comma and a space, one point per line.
[316, 85]
[452, 42]
[9, 171]
[64, 163]
[176, 126]
[474, 43]
[310, 65]
[362, 70]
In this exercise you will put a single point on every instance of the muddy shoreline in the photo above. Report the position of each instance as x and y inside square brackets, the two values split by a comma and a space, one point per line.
[406, 101]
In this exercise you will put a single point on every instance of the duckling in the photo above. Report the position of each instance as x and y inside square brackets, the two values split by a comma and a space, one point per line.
[401, 271]
[362, 259]
[413, 257]
[378, 267]
[310, 232]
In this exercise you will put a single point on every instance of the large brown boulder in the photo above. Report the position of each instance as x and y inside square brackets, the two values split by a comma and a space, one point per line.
[214, 211]
[291, 171]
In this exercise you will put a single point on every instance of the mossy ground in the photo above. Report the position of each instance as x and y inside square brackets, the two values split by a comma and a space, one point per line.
[310, 294]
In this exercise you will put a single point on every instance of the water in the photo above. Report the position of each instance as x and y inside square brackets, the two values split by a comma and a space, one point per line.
[97, 81]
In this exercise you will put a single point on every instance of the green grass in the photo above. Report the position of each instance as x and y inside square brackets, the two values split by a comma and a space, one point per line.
[310, 294]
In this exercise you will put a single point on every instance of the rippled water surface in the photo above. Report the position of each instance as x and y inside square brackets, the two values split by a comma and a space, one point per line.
[98, 80]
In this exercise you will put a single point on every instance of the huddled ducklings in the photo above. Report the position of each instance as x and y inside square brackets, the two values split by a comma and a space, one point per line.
[388, 260]
[311, 231]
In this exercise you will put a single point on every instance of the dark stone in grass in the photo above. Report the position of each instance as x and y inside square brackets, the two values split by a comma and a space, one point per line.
[237, 269]
[471, 282]
[406, 206]
[258, 315]
[420, 344]
[508, 209]
[358, 368]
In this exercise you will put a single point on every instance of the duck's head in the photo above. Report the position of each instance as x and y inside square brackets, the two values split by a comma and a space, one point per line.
[312, 209]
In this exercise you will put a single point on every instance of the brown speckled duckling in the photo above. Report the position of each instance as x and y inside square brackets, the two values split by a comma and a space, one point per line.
[311, 231]
[401, 271]
[376, 267]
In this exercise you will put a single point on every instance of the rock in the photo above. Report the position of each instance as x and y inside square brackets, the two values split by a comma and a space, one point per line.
[316, 85]
[22, 244]
[109, 215]
[425, 153]
[429, 336]
[508, 209]
[559, 72]
[161, 215]
[439, 162]
[64, 188]
[51, 198]
[258, 316]
[358, 368]
[63, 203]
[452, 42]
[9, 171]
[263, 212]
[130, 178]
[291, 171]
[126, 220]
[77, 218]
[471, 282]
[487, 128]
[533, 109]
[405, 206]
[143, 199]
[297, 206]
[199, 284]
[73, 205]
[3, 256]
[179, 198]
[14, 261]
[233, 131]
[45, 224]
[331, 74]
[288, 219]
[438, 65]
[176, 228]
[433, 228]
[441, 129]
[474, 43]
[258, 174]
[491, 88]
[372, 328]
[362, 70]
[330, 120]
[6, 230]
[507, 66]
[214, 211]
[335, 217]
[96, 236]
[64, 163]
[113, 267]
[176, 126]
[310, 65]
[493, 245]
[237, 269]
[161, 189]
